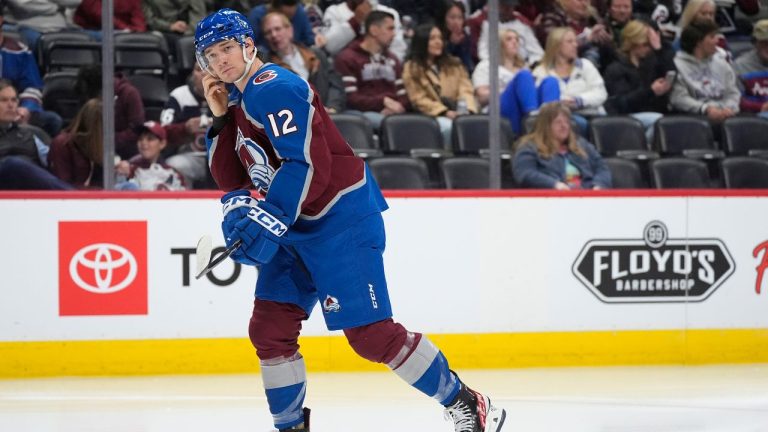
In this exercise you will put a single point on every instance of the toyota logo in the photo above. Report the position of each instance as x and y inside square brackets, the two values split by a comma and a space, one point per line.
[103, 259]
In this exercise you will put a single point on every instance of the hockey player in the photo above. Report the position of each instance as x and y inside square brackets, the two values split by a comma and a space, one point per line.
[316, 235]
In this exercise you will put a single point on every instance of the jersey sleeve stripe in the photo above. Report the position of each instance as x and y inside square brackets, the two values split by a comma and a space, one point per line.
[307, 152]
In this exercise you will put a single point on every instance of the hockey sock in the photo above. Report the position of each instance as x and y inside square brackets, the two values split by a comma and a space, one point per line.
[285, 382]
[426, 368]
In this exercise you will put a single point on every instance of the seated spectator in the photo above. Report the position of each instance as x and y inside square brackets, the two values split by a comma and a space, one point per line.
[146, 171]
[77, 155]
[310, 63]
[752, 71]
[344, 23]
[459, 42]
[519, 93]
[532, 9]
[581, 87]
[582, 18]
[20, 67]
[436, 82]
[638, 82]
[129, 108]
[128, 16]
[554, 157]
[173, 18]
[701, 10]
[706, 83]
[619, 14]
[23, 156]
[295, 12]
[530, 48]
[372, 76]
[35, 17]
[186, 118]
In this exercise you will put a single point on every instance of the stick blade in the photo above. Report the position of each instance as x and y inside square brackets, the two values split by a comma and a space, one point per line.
[203, 253]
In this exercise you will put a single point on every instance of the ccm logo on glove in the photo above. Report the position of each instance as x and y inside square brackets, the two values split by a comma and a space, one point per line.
[267, 221]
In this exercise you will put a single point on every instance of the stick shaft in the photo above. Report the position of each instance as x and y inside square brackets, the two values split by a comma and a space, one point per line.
[219, 259]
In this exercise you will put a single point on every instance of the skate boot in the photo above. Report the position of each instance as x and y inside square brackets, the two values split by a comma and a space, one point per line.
[473, 412]
[303, 427]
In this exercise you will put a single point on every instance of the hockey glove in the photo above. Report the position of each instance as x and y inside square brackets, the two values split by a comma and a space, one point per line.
[237, 204]
[259, 229]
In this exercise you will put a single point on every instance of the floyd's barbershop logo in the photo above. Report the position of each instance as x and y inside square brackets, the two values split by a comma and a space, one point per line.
[655, 268]
[103, 268]
[762, 247]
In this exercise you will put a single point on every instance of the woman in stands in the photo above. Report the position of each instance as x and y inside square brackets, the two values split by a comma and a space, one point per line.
[76, 153]
[436, 82]
[581, 87]
[459, 42]
[554, 157]
[520, 96]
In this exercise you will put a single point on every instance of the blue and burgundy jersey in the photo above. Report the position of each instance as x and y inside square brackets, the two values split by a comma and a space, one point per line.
[280, 141]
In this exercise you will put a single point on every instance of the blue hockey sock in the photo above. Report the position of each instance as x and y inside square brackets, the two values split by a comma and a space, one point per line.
[285, 383]
[426, 368]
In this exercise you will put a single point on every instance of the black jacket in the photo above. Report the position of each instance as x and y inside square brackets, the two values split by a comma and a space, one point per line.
[629, 87]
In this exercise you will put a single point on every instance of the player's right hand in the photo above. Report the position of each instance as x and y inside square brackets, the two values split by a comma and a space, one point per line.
[237, 204]
[216, 95]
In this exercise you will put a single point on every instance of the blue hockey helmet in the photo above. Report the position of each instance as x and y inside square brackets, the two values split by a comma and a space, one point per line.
[224, 24]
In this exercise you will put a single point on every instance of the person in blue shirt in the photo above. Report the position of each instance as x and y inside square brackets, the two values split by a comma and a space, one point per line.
[294, 10]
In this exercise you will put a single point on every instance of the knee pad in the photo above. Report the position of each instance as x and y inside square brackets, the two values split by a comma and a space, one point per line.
[274, 328]
[382, 342]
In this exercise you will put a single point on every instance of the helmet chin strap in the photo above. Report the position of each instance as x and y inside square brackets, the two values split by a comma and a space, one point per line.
[248, 62]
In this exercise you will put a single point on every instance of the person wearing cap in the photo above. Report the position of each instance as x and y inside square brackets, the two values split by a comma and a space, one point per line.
[146, 171]
[752, 72]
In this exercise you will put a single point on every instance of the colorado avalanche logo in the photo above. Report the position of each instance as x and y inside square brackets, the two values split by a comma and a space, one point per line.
[264, 77]
[259, 171]
[331, 304]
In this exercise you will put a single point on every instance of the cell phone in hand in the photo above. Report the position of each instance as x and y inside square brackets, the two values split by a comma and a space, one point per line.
[670, 77]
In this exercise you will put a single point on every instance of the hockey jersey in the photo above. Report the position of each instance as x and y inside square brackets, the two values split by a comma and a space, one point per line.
[279, 140]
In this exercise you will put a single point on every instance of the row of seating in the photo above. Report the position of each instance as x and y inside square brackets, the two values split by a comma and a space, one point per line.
[738, 172]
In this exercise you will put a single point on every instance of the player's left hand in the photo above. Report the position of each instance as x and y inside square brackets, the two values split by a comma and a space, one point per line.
[258, 224]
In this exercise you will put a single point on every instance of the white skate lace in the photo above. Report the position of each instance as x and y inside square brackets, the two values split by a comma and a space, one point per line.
[461, 414]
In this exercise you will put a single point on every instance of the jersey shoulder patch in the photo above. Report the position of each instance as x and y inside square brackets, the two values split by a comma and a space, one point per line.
[266, 76]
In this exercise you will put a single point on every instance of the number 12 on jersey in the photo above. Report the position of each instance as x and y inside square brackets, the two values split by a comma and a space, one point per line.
[287, 123]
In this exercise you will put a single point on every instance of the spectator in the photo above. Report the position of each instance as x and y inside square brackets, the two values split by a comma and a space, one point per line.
[35, 17]
[581, 87]
[173, 18]
[752, 71]
[295, 12]
[436, 82]
[23, 156]
[706, 83]
[146, 171]
[77, 155]
[129, 108]
[530, 48]
[186, 118]
[532, 9]
[553, 157]
[128, 16]
[459, 42]
[310, 63]
[519, 94]
[421, 11]
[20, 68]
[343, 23]
[638, 82]
[696, 10]
[619, 14]
[372, 76]
[582, 18]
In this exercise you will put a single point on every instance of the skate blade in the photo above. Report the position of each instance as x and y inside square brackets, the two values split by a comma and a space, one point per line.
[494, 420]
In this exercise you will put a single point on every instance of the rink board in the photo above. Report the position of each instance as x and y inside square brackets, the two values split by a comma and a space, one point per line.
[496, 279]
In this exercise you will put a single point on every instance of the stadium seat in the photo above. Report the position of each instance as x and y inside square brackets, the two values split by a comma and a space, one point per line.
[185, 55]
[154, 94]
[59, 94]
[745, 173]
[400, 173]
[67, 50]
[466, 173]
[746, 136]
[469, 136]
[358, 132]
[689, 136]
[141, 53]
[416, 135]
[621, 136]
[680, 173]
[625, 173]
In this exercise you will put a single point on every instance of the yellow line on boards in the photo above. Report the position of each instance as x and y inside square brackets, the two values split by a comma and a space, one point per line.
[332, 353]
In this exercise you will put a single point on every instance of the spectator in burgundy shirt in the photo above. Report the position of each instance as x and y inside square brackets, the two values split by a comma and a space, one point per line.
[752, 71]
[372, 76]
[128, 16]
[76, 153]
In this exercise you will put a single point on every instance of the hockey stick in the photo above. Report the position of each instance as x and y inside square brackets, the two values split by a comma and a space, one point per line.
[203, 254]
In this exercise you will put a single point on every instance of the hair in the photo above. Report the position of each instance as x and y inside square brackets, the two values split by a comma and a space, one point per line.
[554, 40]
[690, 11]
[419, 51]
[88, 83]
[86, 131]
[283, 17]
[695, 33]
[635, 33]
[6, 83]
[448, 5]
[376, 17]
[541, 137]
[518, 61]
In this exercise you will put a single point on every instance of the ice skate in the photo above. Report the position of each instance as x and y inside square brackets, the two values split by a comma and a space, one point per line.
[303, 427]
[473, 412]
